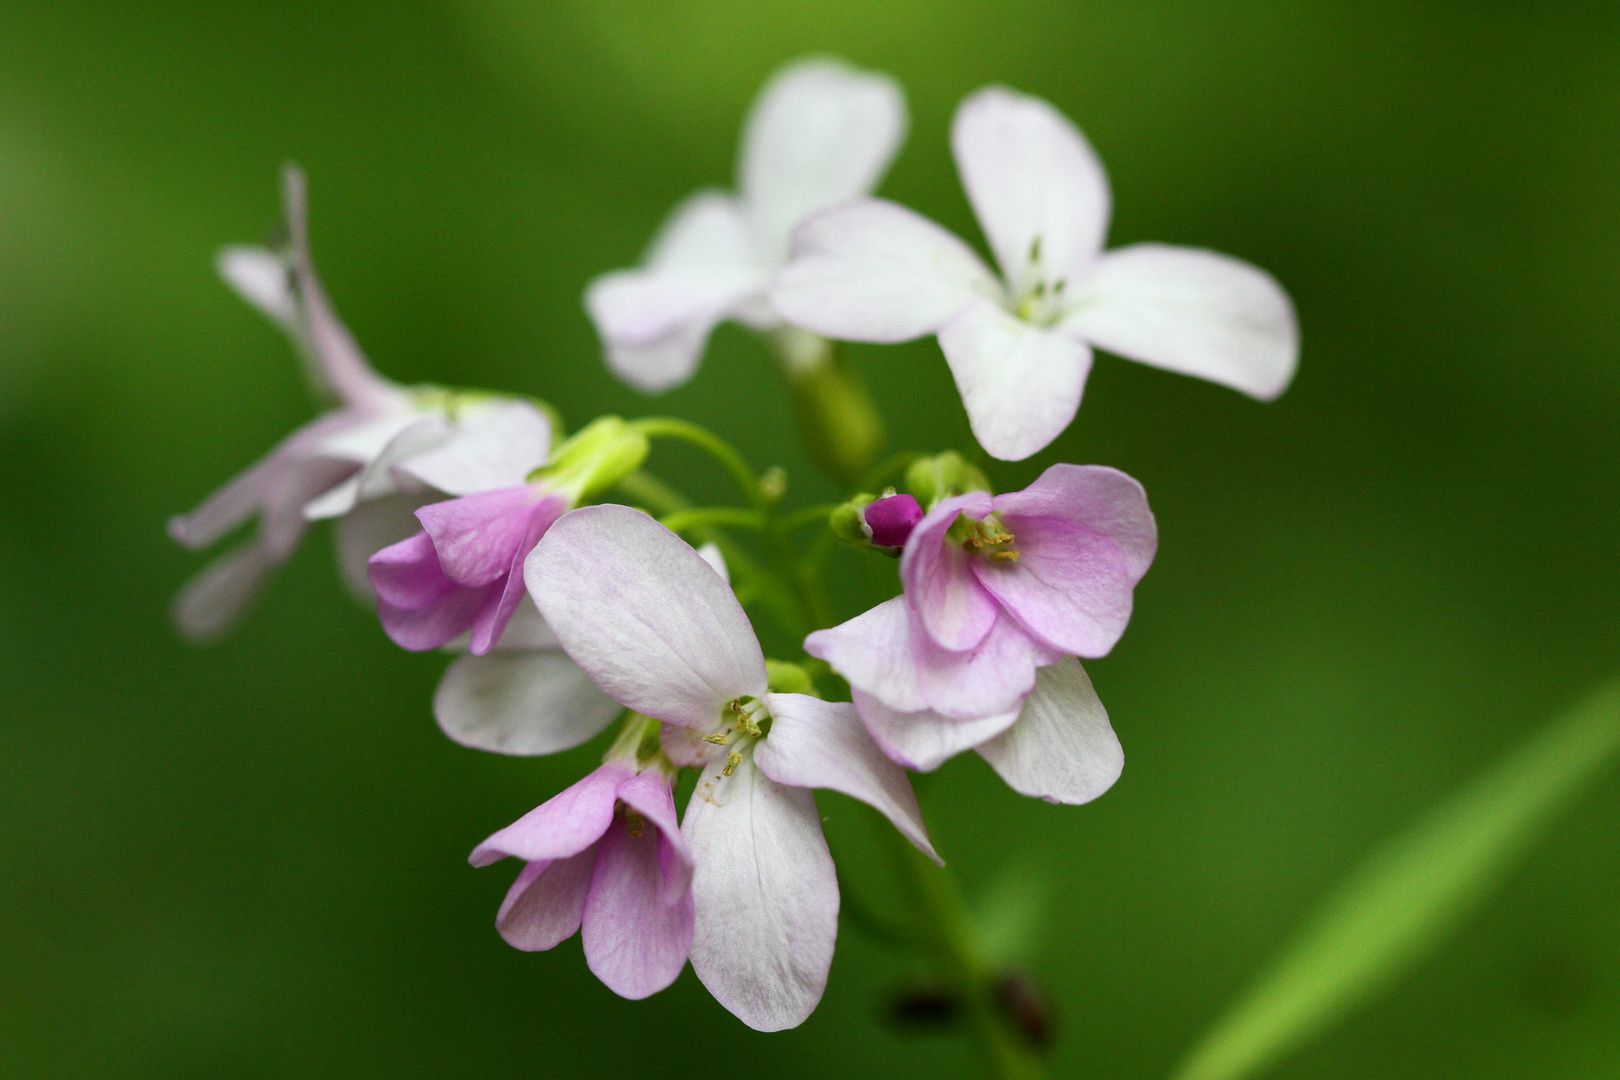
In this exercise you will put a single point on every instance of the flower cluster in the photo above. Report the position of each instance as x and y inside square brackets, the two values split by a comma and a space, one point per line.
[473, 526]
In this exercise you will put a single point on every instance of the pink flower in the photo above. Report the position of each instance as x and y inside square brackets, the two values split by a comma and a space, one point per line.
[464, 571]
[1020, 346]
[661, 633]
[820, 133]
[999, 589]
[381, 441]
[605, 858]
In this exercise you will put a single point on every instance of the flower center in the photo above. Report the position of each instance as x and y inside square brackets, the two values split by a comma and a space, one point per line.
[988, 539]
[1038, 300]
[743, 722]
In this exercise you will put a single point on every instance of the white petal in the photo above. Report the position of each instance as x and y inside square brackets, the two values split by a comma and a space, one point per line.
[701, 269]
[380, 445]
[873, 652]
[520, 703]
[1061, 748]
[766, 896]
[820, 133]
[366, 530]
[821, 744]
[1035, 183]
[492, 445]
[261, 278]
[1191, 311]
[644, 615]
[925, 740]
[1020, 384]
[717, 562]
[214, 601]
[875, 271]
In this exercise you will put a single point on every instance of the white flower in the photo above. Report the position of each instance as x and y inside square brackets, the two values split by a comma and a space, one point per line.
[820, 133]
[1020, 346]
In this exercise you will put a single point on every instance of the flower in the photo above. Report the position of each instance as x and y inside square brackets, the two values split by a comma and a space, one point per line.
[605, 858]
[1020, 347]
[381, 440]
[820, 133]
[661, 633]
[998, 591]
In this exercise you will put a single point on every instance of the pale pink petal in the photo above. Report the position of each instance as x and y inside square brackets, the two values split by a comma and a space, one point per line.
[654, 320]
[821, 744]
[491, 622]
[766, 896]
[543, 907]
[944, 597]
[366, 530]
[564, 825]
[1085, 537]
[439, 622]
[214, 601]
[263, 279]
[520, 703]
[924, 740]
[635, 941]
[644, 615]
[820, 133]
[1061, 748]
[990, 679]
[1021, 384]
[377, 446]
[649, 794]
[491, 445]
[474, 536]
[1190, 311]
[872, 652]
[875, 271]
[407, 575]
[1035, 184]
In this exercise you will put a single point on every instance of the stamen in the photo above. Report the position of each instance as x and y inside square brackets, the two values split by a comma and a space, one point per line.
[733, 760]
[634, 823]
[718, 739]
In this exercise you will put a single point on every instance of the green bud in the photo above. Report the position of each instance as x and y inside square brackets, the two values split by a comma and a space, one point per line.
[933, 479]
[784, 678]
[598, 456]
[848, 522]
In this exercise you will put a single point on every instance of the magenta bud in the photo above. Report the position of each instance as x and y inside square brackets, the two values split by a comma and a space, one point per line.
[891, 519]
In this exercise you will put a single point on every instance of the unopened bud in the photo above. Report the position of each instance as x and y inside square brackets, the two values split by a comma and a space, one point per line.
[889, 520]
[595, 458]
[933, 479]
[848, 522]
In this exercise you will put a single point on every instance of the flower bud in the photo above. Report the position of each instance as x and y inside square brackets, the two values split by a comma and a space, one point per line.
[889, 520]
[848, 522]
[936, 478]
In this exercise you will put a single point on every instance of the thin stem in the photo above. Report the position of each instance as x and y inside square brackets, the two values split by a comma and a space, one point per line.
[948, 935]
[810, 515]
[724, 454]
[886, 468]
[712, 516]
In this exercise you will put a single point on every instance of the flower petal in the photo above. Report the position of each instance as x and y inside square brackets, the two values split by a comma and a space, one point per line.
[1190, 311]
[644, 615]
[872, 652]
[491, 446]
[1037, 188]
[992, 678]
[821, 132]
[543, 907]
[635, 941]
[520, 703]
[366, 530]
[875, 271]
[1020, 384]
[1061, 748]
[1085, 537]
[215, 600]
[766, 896]
[649, 793]
[263, 279]
[564, 825]
[475, 536]
[376, 446]
[407, 575]
[654, 321]
[924, 740]
[943, 595]
[821, 744]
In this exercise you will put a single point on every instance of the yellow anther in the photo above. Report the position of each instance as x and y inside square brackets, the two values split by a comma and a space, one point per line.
[733, 760]
[634, 823]
[717, 739]
[1004, 556]
[750, 727]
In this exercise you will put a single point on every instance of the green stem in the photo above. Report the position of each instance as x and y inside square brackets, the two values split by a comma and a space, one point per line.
[948, 936]
[711, 516]
[810, 515]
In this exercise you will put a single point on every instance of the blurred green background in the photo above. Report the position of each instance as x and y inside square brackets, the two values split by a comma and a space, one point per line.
[249, 860]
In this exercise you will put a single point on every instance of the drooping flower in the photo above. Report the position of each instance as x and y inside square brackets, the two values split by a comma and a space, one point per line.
[661, 633]
[607, 859]
[820, 133]
[998, 591]
[380, 441]
[1019, 347]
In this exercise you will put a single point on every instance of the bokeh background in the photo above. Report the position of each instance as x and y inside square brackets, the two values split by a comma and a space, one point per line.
[249, 860]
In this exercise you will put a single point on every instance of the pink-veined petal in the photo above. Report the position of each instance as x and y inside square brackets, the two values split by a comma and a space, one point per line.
[872, 652]
[642, 613]
[1020, 384]
[563, 825]
[543, 907]
[944, 597]
[924, 740]
[1061, 748]
[475, 536]
[821, 744]
[637, 934]
[766, 896]
[1085, 537]
[875, 271]
[1190, 311]
[520, 702]
[1036, 186]
[989, 679]
[820, 133]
